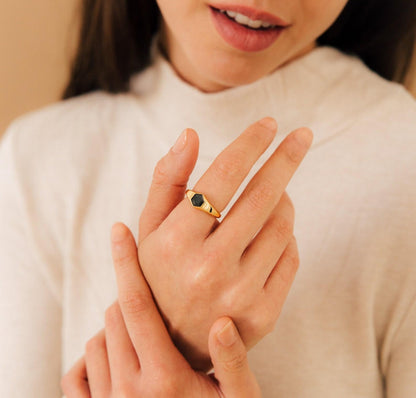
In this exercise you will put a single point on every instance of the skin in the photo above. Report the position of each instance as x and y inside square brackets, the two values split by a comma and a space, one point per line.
[206, 61]
[200, 269]
[180, 249]
[135, 357]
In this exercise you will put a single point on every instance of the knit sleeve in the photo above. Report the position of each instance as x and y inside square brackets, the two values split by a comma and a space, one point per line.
[30, 309]
[401, 371]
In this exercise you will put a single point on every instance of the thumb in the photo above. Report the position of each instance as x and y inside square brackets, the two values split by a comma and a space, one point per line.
[229, 357]
[169, 182]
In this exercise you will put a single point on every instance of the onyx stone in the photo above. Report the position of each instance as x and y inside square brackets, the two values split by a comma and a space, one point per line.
[197, 200]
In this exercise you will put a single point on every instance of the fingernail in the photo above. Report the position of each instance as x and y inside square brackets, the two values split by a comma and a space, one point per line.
[118, 233]
[269, 123]
[305, 137]
[180, 142]
[227, 335]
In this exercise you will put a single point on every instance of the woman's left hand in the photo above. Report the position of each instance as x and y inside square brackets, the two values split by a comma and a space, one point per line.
[135, 357]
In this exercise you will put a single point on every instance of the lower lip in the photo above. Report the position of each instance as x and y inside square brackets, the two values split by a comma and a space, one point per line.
[242, 38]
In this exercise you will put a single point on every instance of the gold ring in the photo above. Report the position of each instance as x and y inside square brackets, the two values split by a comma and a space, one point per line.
[199, 201]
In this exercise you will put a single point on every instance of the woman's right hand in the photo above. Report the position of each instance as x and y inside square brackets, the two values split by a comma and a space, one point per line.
[200, 269]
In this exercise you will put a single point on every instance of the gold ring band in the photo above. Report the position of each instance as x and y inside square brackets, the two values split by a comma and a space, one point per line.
[199, 201]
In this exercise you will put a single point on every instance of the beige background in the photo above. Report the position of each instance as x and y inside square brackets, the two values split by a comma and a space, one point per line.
[36, 40]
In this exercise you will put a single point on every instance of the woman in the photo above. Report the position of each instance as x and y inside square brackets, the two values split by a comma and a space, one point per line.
[347, 326]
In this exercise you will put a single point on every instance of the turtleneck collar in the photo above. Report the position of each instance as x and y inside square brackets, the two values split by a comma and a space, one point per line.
[290, 94]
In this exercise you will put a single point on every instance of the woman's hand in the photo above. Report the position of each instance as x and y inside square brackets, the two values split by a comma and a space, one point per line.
[199, 269]
[135, 357]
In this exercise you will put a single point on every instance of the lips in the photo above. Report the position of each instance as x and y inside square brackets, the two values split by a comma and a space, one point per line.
[252, 13]
[242, 37]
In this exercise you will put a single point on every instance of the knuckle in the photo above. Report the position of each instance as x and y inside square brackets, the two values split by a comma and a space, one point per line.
[171, 244]
[260, 194]
[161, 172]
[264, 321]
[233, 300]
[112, 315]
[267, 324]
[294, 151]
[203, 279]
[294, 263]
[283, 227]
[168, 387]
[213, 257]
[93, 345]
[236, 363]
[259, 132]
[124, 257]
[199, 281]
[123, 389]
[287, 273]
[229, 166]
[288, 203]
[135, 303]
[293, 256]
[163, 384]
[204, 276]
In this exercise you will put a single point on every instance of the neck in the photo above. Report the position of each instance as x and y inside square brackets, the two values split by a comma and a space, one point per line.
[174, 54]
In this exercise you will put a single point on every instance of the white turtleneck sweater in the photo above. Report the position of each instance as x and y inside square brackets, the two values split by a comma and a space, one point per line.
[69, 171]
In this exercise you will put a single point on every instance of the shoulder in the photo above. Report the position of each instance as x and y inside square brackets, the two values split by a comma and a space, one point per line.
[54, 155]
[78, 115]
[62, 134]
[343, 77]
[365, 154]
[350, 100]
[337, 68]
[365, 133]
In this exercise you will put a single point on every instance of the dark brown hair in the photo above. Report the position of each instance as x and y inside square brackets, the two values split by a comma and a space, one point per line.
[116, 35]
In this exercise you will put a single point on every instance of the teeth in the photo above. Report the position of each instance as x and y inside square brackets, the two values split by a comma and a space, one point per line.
[244, 20]
[232, 14]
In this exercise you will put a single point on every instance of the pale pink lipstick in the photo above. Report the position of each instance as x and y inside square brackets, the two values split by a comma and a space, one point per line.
[243, 37]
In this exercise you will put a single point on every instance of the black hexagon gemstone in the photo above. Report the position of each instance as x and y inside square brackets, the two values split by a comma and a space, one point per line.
[197, 200]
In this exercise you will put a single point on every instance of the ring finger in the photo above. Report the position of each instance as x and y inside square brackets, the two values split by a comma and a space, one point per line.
[225, 175]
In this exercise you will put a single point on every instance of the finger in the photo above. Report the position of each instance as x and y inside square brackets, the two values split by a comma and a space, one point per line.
[123, 360]
[98, 370]
[144, 324]
[169, 182]
[225, 175]
[281, 278]
[264, 191]
[75, 383]
[267, 247]
[229, 356]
